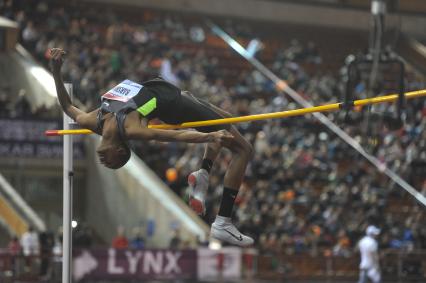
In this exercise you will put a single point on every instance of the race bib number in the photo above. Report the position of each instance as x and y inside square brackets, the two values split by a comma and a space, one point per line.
[123, 91]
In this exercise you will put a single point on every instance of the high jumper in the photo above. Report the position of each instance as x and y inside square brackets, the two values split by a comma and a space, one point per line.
[123, 116]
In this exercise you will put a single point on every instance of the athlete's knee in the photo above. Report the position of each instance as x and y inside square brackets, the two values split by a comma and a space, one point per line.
[243, 147]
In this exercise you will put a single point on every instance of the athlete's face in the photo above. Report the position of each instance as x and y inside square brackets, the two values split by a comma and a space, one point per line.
[113, 156]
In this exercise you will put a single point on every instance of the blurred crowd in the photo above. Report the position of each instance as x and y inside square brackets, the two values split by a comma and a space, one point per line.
[305, 190]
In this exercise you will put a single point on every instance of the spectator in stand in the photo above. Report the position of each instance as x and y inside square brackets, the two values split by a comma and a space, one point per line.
[21, 106]
[120, 241]
[57, 247]
[46, 252]
[57, 254]
[167, 72]
[14, 247]
[82, 236]
[343, 244]
[138, 241]
[30, 35]
[30, 247]
[369, 249]
[30, 243]
[4, 101]
[176, 240]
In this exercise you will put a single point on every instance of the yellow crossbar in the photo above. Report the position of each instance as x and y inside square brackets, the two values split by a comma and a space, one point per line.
[266, 116]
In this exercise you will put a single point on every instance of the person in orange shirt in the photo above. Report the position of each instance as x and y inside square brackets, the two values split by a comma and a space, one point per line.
[120, 241]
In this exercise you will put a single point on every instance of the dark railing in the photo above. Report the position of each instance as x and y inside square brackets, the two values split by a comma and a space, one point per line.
[21, 268]
[396, 266]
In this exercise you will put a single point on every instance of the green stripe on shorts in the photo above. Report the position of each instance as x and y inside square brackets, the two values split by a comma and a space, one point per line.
[148, 107]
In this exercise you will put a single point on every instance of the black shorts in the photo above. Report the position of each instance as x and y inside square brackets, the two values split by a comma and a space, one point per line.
[193, 109]
[175, 106]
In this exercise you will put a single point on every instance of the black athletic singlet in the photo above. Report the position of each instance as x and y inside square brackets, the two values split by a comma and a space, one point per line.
[156, 98]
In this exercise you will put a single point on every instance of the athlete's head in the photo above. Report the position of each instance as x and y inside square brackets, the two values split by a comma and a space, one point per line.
[113, 155]
[113, 152]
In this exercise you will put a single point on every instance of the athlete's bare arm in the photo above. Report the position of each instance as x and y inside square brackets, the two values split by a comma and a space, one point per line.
[89, 121]
[139, 131]
[85, 120]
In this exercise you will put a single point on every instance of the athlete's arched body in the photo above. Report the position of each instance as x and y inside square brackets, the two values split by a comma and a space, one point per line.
[124, 115]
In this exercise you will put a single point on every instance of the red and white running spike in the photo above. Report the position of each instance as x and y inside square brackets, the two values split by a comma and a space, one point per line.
[199, 183]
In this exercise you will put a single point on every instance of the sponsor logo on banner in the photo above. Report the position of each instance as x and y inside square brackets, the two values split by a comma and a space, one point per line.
[83, 265]
[214, 264]
[134, 264]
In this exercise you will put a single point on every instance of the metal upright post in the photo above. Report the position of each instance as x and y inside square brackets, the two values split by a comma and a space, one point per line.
[67, 198]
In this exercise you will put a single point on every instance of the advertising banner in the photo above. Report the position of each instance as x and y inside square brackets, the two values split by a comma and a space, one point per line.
[26, 139]
[224, 263]
[111, 264]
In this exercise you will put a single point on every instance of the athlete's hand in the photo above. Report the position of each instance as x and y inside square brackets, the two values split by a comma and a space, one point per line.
[221, 137]
[56, 59]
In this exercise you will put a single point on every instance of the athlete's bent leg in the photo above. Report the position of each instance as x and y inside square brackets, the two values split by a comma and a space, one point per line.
[222, 228]
[242, 151]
